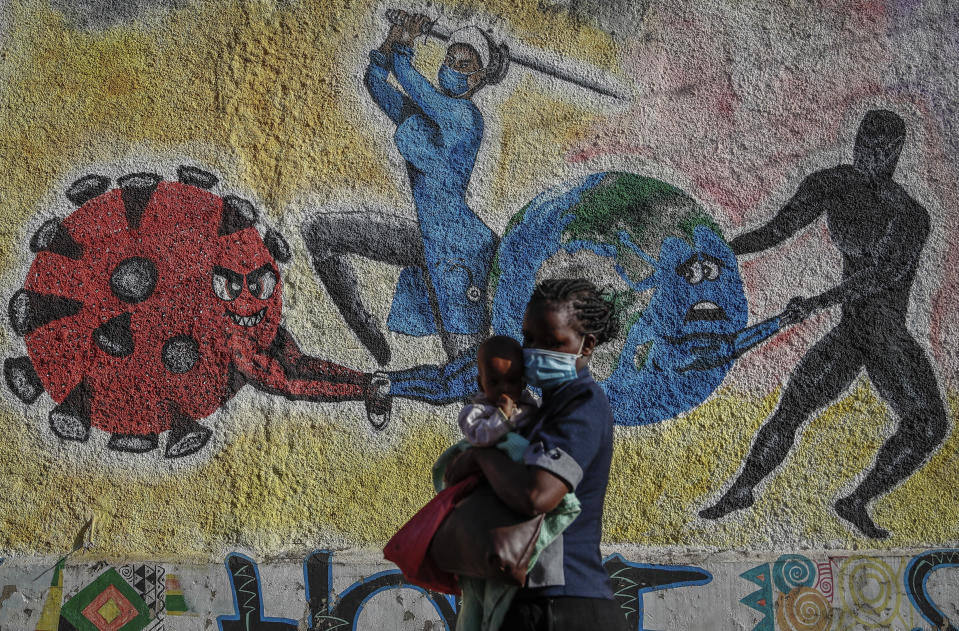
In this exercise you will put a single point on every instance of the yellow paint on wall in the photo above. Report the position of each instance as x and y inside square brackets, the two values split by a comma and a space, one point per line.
[301, 476]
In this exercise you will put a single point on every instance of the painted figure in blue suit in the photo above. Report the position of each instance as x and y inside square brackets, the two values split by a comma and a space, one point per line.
[447, 251]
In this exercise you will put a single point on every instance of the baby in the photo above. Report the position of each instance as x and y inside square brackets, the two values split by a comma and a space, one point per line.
[504, 404]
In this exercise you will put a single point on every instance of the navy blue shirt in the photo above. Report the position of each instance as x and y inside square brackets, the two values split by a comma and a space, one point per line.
[573, 440]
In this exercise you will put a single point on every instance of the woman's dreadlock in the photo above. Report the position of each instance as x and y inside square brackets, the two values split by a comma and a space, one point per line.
[592, 312]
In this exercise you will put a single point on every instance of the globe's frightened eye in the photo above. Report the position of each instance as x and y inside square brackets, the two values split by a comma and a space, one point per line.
[692, 271]
[262, 282]
[227, 284]
[710, 270]
[698, 268]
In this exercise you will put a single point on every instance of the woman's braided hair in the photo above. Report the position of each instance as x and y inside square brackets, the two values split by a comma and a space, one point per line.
[592, 312]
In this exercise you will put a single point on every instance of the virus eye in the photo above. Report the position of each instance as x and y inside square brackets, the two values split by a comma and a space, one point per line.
[262, 282]
[227, 284]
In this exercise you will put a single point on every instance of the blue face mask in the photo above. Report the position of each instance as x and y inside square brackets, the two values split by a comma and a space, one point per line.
[454, 82]
[549, 369]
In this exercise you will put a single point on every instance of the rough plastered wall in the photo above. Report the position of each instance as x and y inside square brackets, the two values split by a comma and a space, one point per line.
[246, 274]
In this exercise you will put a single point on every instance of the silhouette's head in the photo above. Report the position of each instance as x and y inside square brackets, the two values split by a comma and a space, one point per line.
[879, 143]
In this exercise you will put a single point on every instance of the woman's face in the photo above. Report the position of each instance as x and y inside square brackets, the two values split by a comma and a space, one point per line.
[548, 328]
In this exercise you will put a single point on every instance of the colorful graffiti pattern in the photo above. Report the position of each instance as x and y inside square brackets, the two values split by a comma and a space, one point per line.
[792, 595]
[799, 594]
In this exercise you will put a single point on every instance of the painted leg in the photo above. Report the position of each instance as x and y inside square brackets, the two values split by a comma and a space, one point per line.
[342, 285]
[822, 375]
[904, 377]
[373, 235]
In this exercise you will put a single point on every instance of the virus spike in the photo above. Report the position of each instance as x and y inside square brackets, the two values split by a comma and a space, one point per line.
[86, 188]
[277, 246]
[238, 214]
[187, 436]
[71, 419]
[22, 379]
[196, 177]
[133, 443]
[136, 191]
[134, 279]
[28, 310]
[53, 236]
[114, 337]
[180, 354]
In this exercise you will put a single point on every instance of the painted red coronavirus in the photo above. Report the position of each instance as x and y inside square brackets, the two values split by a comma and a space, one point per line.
[153, 303]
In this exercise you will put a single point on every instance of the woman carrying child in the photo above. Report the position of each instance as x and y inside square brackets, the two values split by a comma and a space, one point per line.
[571, 442]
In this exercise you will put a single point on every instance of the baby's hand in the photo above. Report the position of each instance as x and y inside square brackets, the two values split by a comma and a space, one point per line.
[506, 404]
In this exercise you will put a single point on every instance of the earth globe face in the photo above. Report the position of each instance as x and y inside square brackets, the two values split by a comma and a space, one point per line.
[663, 259]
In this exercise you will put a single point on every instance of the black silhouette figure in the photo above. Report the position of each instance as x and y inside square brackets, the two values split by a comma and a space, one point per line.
[880, 231]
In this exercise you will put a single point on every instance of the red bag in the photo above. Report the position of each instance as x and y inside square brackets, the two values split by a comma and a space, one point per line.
[409, 547]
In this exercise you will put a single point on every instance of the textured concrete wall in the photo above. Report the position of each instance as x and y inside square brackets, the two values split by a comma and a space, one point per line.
[243, 304]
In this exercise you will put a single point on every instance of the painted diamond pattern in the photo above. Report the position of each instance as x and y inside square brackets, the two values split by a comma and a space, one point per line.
[110, 610]
[109, 603]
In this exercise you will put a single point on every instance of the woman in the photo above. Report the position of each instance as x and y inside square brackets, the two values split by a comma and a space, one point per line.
[570, 449]
[448, 251]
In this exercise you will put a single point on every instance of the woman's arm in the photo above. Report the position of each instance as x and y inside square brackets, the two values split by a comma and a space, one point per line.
[527, 490]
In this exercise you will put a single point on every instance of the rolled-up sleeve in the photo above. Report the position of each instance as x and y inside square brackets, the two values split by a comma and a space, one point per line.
[565, 444]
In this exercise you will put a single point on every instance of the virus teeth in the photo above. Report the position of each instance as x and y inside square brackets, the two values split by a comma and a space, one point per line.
[247, 321]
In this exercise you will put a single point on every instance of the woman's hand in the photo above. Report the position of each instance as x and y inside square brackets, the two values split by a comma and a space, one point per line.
[463, 466]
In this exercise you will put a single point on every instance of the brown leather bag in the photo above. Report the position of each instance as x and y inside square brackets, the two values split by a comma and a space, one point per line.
[484, 538]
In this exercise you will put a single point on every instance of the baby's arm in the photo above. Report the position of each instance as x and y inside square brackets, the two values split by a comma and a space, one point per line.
[483, 425]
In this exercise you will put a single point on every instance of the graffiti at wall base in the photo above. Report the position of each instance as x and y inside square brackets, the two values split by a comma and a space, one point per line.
[791, 593]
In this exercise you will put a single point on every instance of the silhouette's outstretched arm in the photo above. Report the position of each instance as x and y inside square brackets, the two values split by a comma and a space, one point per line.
[799, 212]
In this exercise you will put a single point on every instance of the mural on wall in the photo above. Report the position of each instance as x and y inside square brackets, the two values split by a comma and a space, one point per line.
[109, 603]
[133, 597]
[181, 298]
[796, 593]
[916, 575]
[880, 231]
[499, 147]
[694, 323]
[697, 338]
